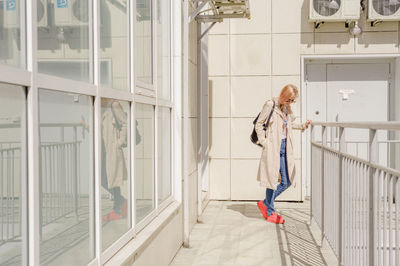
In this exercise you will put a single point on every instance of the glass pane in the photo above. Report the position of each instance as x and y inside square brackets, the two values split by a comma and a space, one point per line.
[114, 44]
[115, 195]
[164, 153]
[63, 38]
[66, 178]
[143, 41]
[144, 160]
[12, 174]
[10, 33]
[163, 49]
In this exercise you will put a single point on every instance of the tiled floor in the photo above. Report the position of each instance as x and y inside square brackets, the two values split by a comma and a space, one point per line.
[235, 233]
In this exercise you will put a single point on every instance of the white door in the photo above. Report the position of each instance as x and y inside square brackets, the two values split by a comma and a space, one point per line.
[345, 93]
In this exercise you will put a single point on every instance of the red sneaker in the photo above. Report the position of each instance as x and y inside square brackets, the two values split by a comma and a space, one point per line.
[112, 216]
[263, 209]
[275, 218]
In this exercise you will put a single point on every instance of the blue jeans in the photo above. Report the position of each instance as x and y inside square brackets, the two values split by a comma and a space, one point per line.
[271, 195]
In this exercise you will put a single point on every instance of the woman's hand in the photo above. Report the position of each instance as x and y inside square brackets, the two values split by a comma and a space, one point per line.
[308, 122]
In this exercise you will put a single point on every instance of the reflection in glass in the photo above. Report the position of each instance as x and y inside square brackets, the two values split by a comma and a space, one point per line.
[12, 174]
[114, 173]
[143, 42]
[63, 38]
[163, 49]
[66, 178]
[114, 43]
[10, 33]
[164, 153]
[144, 160]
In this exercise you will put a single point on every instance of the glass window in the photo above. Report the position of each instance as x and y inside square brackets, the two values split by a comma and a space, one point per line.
[66, 178]
[115, 196]
[144, 160]
[12, 174]
[143, 41]
[63, 38]
[114, 44]
[11, 46]
[163, 49]
[164, 153]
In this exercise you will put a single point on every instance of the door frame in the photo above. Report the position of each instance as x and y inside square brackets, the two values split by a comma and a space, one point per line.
[351, 58]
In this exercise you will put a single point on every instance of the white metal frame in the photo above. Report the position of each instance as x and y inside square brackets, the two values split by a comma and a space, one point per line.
[32, 80]
[362, 58]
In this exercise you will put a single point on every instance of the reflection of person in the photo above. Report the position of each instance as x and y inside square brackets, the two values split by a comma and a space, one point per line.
[276, 171]
[114, 171]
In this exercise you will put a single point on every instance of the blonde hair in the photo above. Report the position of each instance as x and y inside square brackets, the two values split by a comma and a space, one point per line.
[288, 91]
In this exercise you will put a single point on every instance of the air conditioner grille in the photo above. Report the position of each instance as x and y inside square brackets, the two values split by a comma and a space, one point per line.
[386, 7]
[327, 8]
[80, 10]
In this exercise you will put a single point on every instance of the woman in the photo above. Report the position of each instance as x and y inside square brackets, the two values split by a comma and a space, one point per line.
[114, 171]
[276, 170]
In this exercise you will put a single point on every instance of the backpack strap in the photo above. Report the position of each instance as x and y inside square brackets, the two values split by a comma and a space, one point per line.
[269, 117]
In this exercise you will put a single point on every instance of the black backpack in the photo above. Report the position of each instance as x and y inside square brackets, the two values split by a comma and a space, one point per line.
[253, 136]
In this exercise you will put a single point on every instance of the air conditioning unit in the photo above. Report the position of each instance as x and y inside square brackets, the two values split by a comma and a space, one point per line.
[42, 13]
[71, 13]
[383, 10]
[10, 13]
[334, 10]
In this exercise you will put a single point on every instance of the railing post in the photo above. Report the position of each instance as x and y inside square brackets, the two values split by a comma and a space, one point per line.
[373, 158]
[75, 173]
[342, 149]
[324, 143]
[311, 170]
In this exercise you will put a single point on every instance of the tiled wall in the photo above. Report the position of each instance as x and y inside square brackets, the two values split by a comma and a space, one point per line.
[250, 61]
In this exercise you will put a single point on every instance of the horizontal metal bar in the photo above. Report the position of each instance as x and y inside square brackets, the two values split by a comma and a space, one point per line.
[352, 157]
[15, 125]
[390, 125]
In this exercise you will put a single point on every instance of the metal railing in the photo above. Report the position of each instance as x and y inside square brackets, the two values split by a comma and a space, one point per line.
[59, 179]
[356, 202]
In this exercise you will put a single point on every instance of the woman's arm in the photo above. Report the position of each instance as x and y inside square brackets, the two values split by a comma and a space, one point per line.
[299, 126]
[266, 110]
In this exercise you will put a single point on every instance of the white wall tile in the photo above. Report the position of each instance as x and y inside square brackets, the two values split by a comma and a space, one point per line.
[250, 54]
[296, 138]
[219, 96]
[220, 179]
[192, 160]
[286, 54]
[193, 99]
[290, 16]
[241, 146]
[260, 21]
[244, 184]
[334, 43]
[220, 28]
[249, 95]
[377, 42]
[218, 55]
[219, 131]
[192, 199]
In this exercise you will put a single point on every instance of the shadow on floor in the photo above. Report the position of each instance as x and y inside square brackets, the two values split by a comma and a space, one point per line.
[297, 244]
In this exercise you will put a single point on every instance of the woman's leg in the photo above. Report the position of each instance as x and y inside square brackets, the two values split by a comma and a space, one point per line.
[285, 182]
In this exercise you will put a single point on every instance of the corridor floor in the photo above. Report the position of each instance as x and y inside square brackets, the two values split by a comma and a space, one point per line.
[235, 233]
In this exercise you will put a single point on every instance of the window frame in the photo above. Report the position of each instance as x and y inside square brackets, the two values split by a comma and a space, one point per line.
[28, 76]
